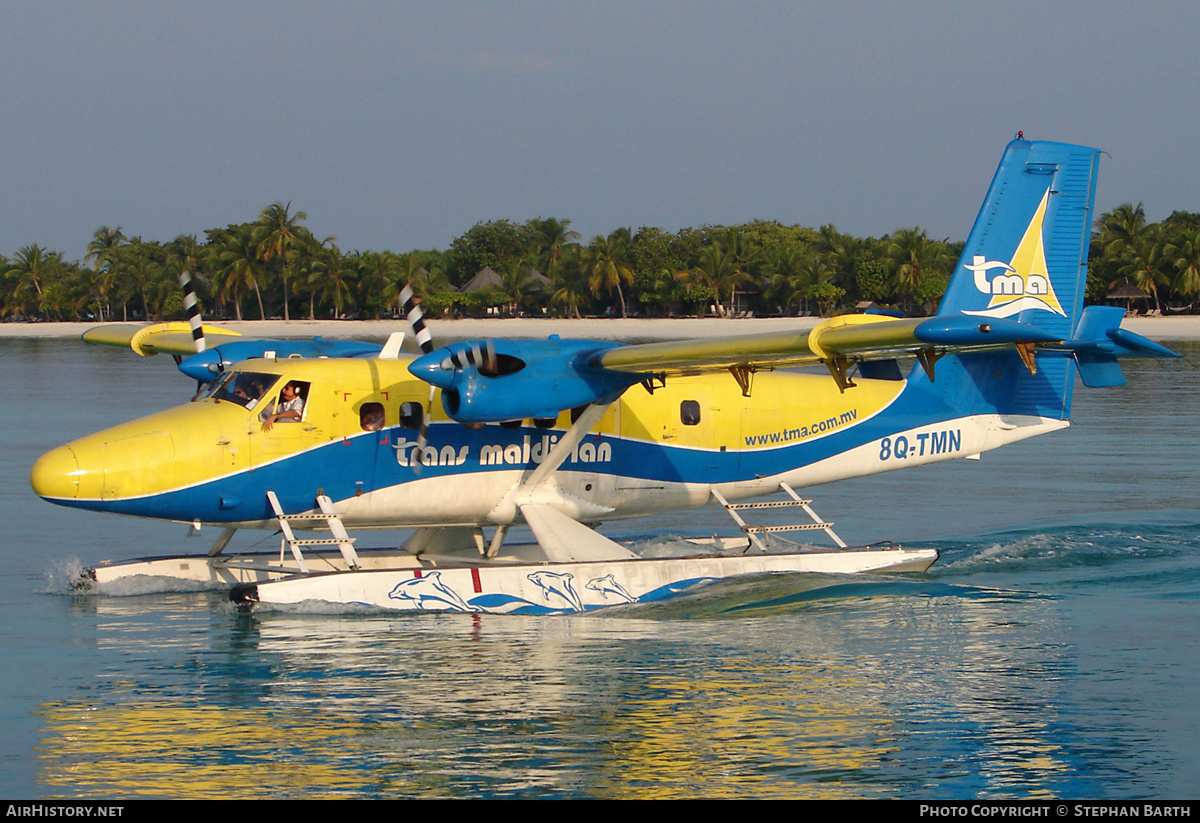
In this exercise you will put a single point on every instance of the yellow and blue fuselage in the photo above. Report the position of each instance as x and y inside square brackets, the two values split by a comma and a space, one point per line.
[212, 461]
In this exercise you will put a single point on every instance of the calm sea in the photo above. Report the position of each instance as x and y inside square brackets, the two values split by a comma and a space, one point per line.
[1053, 651]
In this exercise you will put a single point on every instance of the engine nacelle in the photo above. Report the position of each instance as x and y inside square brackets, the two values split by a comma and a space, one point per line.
[210, 363]
[502, 380]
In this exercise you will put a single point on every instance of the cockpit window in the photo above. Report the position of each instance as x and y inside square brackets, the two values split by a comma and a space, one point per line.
[246, 388]
[288, 407]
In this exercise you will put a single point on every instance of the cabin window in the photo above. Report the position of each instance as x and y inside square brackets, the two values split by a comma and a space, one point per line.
[370, 417]
[412, 415]
[246, 388]
[689, 412]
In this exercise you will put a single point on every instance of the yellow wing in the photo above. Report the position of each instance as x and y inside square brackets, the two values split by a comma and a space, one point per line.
[167, 338]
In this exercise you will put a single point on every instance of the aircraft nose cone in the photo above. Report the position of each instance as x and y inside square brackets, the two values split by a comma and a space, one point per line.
[56, 474]
[429, 368]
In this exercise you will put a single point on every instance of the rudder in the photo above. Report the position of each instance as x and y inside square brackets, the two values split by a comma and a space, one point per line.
[1026, 260]
[1026, 256]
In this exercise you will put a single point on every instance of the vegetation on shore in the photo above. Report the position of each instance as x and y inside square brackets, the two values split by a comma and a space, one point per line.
[276, 267]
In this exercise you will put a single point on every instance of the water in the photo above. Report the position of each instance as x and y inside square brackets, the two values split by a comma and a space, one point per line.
[1051, 652]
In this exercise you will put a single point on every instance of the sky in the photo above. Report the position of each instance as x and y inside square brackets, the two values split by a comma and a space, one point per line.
[399, 125]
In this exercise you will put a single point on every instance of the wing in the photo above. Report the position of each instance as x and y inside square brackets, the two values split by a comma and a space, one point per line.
[540, 378]
[165, 338]
[176, 339]
[839, 343]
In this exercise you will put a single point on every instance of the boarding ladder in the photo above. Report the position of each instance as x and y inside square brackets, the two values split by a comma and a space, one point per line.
[753, 531]
[337, 530]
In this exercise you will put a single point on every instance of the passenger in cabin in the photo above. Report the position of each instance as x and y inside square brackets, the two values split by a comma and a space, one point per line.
[370, 417]
[289, 409]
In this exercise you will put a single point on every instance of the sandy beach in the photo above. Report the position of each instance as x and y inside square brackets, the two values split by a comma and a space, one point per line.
[1156, 328]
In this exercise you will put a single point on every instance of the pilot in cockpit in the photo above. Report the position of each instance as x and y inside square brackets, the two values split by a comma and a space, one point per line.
[289, 409]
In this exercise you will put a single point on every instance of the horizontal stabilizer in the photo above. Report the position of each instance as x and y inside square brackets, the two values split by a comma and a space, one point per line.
[1137, 346]
[1100, 328]
[1099, 341]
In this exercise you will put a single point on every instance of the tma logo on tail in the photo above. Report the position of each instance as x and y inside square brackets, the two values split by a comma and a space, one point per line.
[1023, 282]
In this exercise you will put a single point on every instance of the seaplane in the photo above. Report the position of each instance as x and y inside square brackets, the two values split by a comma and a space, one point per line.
[457, 445]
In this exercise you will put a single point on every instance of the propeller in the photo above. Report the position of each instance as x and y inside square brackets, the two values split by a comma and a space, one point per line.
[416, 321]
[191, 306]
[479, 381]
[478, 354]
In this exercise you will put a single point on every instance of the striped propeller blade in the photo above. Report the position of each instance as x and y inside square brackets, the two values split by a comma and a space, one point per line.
[416, 319]
[480, 355]
[490, 364]
[192, 306]
[423, 435]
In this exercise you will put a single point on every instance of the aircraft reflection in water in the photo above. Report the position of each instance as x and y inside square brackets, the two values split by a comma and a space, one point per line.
[561, 435]
[623, 708]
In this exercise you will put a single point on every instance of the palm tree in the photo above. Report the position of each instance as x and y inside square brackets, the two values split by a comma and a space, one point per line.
[1185, 252]
[913, 256]
[379, 279]
[607, 264]
[1146, 265]
[571, 288]
[718, 270]
[240, 267]
[304, 255]
[745, 256]
[275, 235]
[515, 281]
[1121, 228]
[27, 275]
[839, 251]
[552, 238]
[332, 279]
[788, 278]
[102, 252]
[136, 269]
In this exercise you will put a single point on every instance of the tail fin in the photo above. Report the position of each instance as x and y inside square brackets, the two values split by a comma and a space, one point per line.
[1026, 257]
[1025, 260]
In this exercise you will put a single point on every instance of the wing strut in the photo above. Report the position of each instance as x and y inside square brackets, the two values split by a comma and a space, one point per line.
[561, 537]
[563, 448]
[219, 546]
